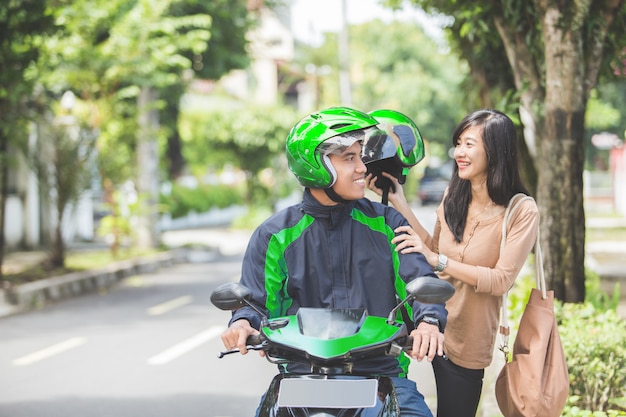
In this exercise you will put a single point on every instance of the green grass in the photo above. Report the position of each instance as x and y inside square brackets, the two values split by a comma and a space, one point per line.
[74, 261]
[606, 234]
[82, 260]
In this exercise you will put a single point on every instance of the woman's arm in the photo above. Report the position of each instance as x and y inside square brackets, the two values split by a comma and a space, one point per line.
[493, 280]
[400, 203]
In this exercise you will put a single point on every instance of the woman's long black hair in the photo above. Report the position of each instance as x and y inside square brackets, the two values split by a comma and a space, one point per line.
[503, 176]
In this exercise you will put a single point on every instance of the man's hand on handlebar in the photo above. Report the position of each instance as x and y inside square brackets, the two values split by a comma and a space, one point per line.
[427, 342]
[236, 336]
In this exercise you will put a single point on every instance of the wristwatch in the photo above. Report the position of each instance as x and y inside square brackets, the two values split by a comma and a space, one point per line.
[430, 320]
[443, 262]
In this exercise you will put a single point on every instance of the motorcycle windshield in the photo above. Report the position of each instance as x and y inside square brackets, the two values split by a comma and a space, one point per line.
[330, 323]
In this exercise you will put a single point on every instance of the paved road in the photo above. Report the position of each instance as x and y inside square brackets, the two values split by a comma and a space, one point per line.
[147, 348]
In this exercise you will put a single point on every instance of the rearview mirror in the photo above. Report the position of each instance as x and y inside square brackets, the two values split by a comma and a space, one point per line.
[429, 290]
[230, 296]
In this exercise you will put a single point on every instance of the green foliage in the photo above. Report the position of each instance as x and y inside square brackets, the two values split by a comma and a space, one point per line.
[594, 342]
[604, 114]
[518, 296]
[182, 200]
[117, 229]
[226, 48]
[23, 27]
[63, 164]
[108, 50]
[252, 219]
[598, 298]
[117, 226]
[248, 138]
[389, 71]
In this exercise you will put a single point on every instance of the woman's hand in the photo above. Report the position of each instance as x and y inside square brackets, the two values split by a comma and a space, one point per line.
[408, 241]
[396, 193]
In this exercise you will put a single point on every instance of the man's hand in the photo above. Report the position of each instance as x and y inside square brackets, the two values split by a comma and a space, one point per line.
[427, 342]
[237, 334]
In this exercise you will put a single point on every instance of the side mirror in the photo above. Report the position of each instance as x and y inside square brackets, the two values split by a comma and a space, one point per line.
[429, 290]
[230, 296]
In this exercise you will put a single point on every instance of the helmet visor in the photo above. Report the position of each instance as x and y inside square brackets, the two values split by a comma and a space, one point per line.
[400, 143]
[338, 144]
[378, 146]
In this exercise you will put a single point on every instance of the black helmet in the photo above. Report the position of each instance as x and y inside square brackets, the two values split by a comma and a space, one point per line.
[394, 153]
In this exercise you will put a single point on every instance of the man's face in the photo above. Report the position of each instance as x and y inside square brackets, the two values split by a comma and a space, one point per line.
[350, 184]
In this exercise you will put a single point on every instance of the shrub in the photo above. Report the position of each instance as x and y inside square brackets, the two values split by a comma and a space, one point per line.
[594, 341]
[596, 296]
[595, 346]
[182, 200]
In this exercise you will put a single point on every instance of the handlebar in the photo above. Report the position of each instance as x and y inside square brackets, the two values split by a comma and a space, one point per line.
[253, 342]
[257, 342]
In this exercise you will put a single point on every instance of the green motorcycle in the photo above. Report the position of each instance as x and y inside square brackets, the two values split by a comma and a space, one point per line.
[328, 342]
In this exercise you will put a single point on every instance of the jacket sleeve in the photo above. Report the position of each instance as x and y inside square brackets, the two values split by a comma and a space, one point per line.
[253, 277]
[413, 265]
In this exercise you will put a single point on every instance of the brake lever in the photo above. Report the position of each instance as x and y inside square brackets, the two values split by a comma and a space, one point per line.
[260, 346]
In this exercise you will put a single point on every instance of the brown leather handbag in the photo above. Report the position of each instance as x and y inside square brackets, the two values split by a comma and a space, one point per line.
[536, 381]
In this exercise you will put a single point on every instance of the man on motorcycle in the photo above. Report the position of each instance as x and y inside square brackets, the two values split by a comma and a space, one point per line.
[334, 250]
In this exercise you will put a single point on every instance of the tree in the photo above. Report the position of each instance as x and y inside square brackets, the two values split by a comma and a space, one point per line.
[134, 62]
[21, 31]
[555, 52]
[225, 51]
[64, 168]
[422, 82]
[389, 72]
[249, 138]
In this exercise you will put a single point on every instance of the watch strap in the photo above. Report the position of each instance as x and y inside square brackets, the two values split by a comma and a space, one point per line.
[442, 264]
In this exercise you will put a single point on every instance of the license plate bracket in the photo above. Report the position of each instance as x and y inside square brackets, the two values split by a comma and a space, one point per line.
[327, 393]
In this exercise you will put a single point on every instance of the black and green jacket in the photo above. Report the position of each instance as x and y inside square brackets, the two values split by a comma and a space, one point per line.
[311, 255]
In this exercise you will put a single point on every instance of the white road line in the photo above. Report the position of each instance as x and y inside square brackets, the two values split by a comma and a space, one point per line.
[185, 346]
[169, 305]
[50, 351]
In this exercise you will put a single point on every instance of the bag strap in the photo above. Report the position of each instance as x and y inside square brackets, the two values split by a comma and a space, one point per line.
[505, 329]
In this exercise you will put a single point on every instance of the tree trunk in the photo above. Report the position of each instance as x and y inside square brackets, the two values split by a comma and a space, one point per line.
[175, 156]
[57, 250]
[148, 170]
[561, 158]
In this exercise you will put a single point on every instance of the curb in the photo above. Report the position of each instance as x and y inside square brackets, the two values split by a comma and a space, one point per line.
[38, 294]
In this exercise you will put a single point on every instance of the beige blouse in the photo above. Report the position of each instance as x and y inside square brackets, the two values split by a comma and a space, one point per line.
[474, 312]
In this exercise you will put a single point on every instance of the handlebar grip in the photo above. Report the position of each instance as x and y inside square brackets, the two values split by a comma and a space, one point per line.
[254, 339]
[408, 345]
[252, 342]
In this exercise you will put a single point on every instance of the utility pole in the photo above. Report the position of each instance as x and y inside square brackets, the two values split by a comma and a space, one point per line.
[344, 57]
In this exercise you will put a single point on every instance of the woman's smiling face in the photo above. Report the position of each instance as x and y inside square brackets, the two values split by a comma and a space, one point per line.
[470, 155]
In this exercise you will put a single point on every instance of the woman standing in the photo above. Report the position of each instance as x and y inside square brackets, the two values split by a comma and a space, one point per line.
[465, 250]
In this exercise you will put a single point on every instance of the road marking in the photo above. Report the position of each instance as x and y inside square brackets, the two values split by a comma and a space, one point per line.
[50, 351]
[169, 305]
[185, 346]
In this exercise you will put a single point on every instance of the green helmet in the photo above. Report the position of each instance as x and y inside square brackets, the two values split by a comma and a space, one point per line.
[321, 133]
[398, 151]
